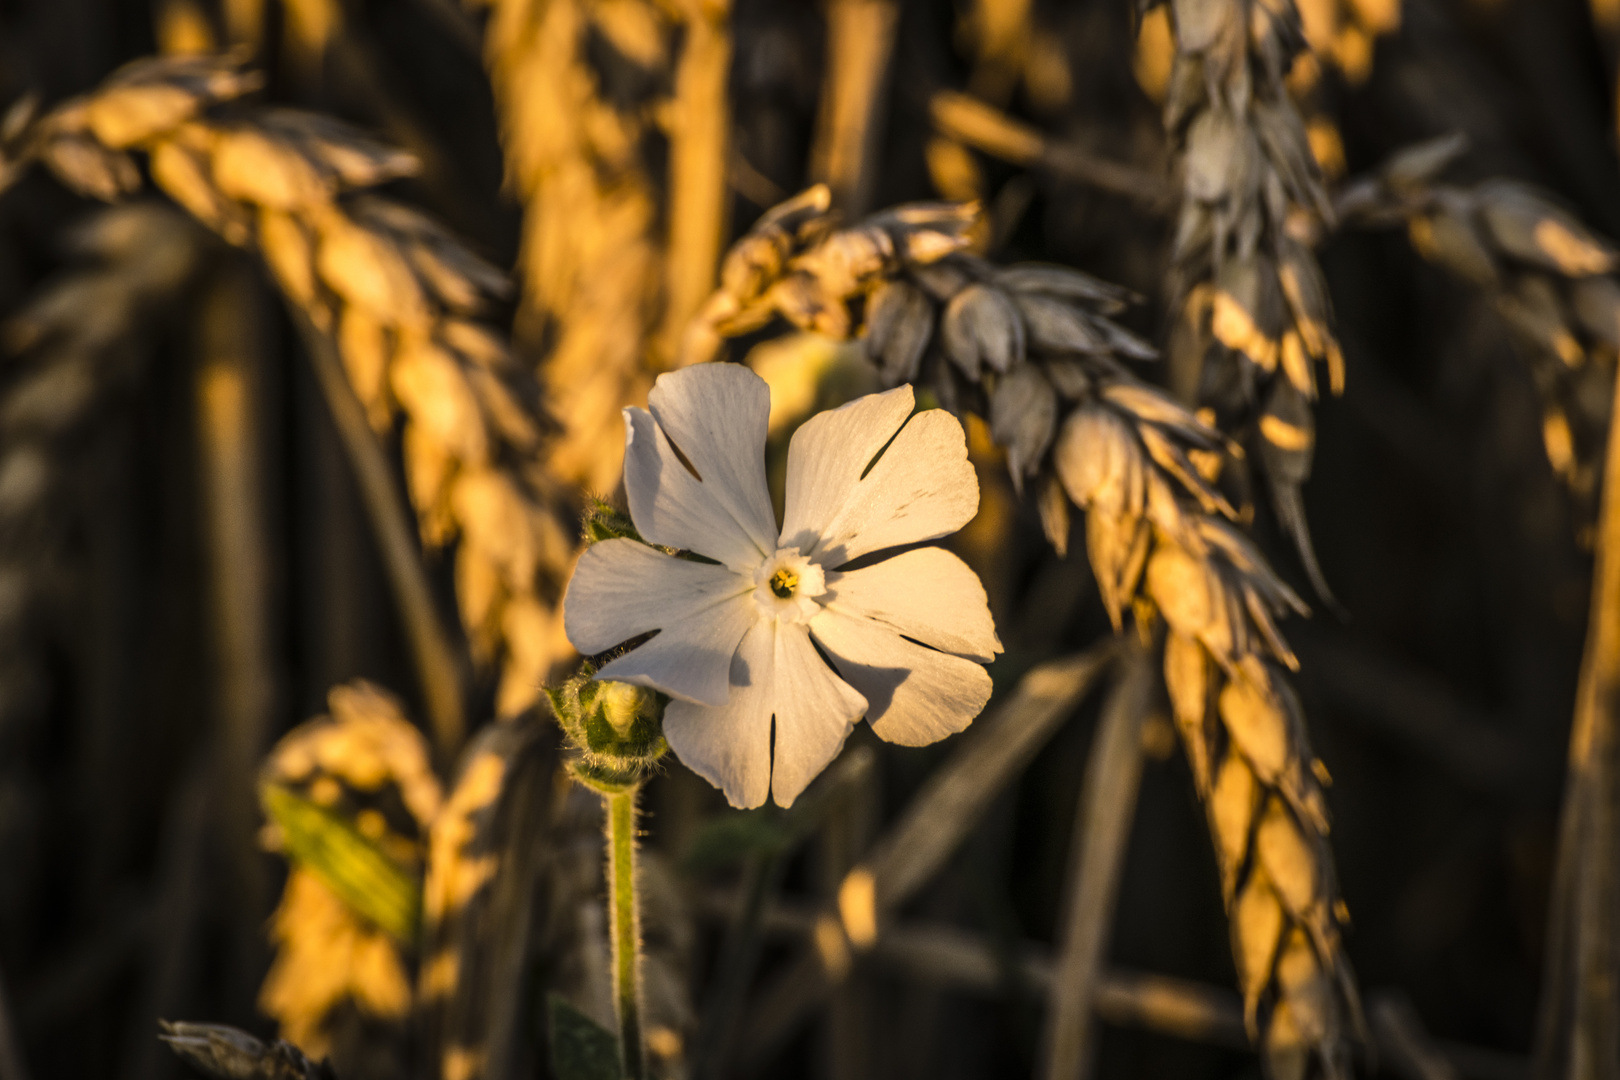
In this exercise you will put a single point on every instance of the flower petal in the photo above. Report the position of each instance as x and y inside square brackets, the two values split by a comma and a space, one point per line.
[730, 745]
[672, 507]
[928, 594]
[621, 589]
[827, 456]
[915, 695]
[920, 489]
[815, 712]
[717, 416]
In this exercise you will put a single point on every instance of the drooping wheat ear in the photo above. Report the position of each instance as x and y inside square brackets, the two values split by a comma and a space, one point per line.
[398, 295]
[1548, 276]
[1252, 311]
[579, 153]
[1030, 347]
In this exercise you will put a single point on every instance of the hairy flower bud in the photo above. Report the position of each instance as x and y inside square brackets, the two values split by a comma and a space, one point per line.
[616, 727]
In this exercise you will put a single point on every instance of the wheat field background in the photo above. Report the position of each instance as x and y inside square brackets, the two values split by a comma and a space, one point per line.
[1284, 334]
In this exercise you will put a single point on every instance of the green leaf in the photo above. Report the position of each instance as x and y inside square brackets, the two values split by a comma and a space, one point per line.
[581, 1049]
[371, 884]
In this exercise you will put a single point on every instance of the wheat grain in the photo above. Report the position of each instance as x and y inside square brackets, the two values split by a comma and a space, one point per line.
[1252, 311]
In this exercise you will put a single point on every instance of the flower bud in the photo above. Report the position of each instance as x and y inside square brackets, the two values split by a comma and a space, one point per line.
[617, 729]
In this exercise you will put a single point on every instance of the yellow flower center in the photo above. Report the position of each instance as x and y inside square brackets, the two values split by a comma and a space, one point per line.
[786, 586]
[784, 581]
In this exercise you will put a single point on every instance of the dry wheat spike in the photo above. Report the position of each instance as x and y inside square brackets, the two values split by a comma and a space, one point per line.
[579, 87]
[399, 295]
[1253, 311]
[1549, 277]
[1031, 348]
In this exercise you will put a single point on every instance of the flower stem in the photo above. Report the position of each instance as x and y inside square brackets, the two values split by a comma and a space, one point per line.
[624, 916]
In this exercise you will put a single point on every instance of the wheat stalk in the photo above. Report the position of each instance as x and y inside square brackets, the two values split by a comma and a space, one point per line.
[1552, 282]
[1031, 348]
[399, 296]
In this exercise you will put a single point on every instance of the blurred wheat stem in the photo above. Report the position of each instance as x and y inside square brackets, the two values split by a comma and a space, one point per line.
[233, 476]
[1107, 806]
[436, 661]
[915, 848]
[860, 39]
[11, 1062]
[1579, 1026]
[625, 928]
[699, 153]
[968, 120]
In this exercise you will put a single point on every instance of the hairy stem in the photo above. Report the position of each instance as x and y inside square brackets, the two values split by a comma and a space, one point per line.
[624, 926]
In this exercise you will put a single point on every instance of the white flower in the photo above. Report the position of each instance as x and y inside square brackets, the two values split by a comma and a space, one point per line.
[737, 643]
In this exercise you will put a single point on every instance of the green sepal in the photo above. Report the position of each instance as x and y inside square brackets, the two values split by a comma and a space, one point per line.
[604, 779]
[603, 522]
[581, 1049]
[368, 882]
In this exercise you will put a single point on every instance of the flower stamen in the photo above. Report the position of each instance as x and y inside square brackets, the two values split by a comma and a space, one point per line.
[786, 585]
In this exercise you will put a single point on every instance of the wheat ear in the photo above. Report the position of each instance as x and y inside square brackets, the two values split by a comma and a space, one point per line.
[1253, 318]
[1549, 277]
[399, 296]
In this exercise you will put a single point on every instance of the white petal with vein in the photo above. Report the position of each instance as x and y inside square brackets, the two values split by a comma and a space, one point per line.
[928, 594]
[730, 745]
[622, 589]
[827, 456]
[915, 695]
[717, 415]
[672, 507]
[815, 712]
[920, 489]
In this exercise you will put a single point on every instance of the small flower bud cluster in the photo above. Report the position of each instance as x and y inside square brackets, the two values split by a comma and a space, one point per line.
[616, 728]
